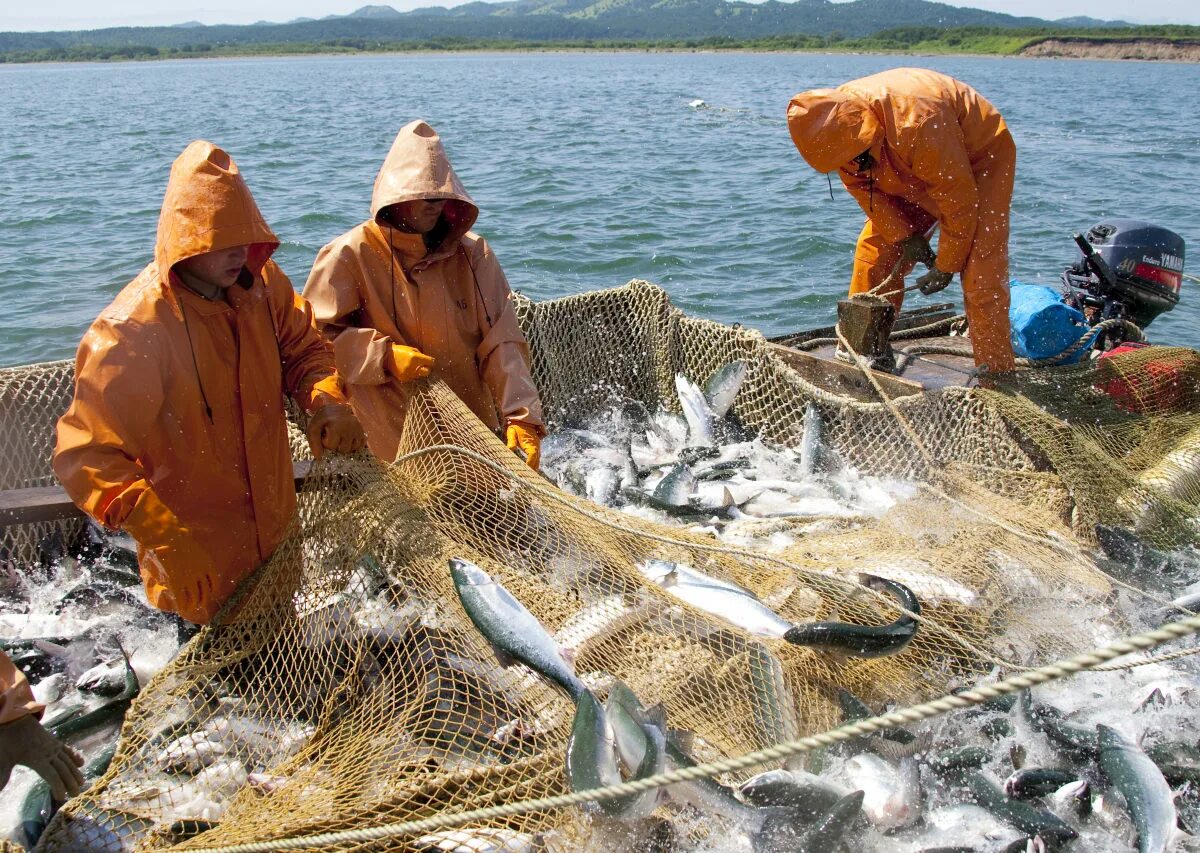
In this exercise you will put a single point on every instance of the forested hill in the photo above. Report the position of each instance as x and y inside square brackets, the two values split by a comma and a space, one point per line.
[545, 21]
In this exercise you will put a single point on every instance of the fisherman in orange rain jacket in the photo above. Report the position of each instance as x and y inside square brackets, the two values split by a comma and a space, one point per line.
[411, 291]
[24, 741]
[916, 148]
[177, 433]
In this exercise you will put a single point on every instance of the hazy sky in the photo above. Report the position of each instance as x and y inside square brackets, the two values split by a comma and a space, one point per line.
[87, 14]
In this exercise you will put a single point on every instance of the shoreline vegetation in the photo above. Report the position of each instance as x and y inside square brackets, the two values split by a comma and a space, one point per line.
[1155, 43]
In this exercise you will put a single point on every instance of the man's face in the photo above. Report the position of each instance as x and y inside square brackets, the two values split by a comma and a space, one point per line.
[219, 268]
[420, 215]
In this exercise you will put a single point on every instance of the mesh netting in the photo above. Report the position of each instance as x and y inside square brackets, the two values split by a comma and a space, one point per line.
[348, 688]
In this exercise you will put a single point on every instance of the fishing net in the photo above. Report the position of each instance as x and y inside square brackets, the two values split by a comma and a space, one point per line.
[347, 688]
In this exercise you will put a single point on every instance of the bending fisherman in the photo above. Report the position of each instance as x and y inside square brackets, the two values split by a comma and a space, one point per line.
[916, 148]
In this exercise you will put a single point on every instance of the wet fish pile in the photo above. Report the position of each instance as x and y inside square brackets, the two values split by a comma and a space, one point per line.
[703, 470]
[81, 631]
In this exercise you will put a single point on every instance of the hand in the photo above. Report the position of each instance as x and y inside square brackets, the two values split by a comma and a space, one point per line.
[24, 741]
[408, 363]
[934, 280]
[525, 438]
[916, 248]
[334, 427]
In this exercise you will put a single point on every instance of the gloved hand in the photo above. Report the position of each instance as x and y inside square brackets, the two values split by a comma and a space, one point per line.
[408, 363]
[334, 427]
[24, 741]
[934, 280]
[523, 437]
[916, 248]
[176, 568]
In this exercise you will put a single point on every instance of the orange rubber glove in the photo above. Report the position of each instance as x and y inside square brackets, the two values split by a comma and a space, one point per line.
[176, 569]
[335, 427]
[523, 437]
[408, 363]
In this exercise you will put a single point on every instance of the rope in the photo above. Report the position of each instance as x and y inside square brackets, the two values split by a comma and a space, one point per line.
[1087, 337]
[1042, 675]
[1114, 667]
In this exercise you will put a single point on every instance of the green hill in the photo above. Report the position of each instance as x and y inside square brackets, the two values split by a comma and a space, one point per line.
[860, 25]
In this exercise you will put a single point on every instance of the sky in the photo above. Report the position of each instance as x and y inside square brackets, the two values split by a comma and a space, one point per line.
[88, 14]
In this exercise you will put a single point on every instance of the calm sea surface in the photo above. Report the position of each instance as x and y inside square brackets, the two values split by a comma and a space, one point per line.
[589, 169]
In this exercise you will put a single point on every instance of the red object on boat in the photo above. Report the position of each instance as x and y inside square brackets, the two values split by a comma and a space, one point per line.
[1157, 387]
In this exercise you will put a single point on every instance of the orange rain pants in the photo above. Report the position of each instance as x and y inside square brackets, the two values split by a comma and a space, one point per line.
[16, 699]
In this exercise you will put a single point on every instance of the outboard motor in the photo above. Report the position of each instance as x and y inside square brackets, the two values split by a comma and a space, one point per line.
[1128, 270]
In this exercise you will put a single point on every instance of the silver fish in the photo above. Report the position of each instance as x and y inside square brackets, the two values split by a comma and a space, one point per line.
[601, 485]
[724, 600]
[481, 840]
[191, 753]
[722, 387]
[1151, 803]
[675, 488]
[701, 419]
[892, 795]
[773, 707]
[810, 440]
[513, 632]
[597, 621]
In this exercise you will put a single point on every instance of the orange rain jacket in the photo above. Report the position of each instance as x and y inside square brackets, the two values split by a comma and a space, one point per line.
[376, 286]
[16, 699]
[178, 428]
[943, 155]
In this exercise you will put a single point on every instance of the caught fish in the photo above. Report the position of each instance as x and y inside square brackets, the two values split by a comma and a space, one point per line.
[1034, 782]
[1073, 799]
[808, 795]
[513, 632]
[76, 719]
[701, 419]
[1131, 772]
[723, 386]
[104, 679]
[191, 753]
[892, 795]
[810, 440]
[597, 622]
[676, 487]
[773, 707]
[592, 756]
[1021, 815]
[1051, 722]
[727, 601]
[862, 640]
[828, 831]
[481, 840]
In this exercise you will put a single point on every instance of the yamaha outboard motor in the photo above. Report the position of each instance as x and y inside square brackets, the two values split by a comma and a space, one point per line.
[1128, 270]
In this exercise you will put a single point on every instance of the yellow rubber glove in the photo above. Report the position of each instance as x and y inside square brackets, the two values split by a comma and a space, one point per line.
[408, 363]
[176, 569]
[523, 437]
[335, 427]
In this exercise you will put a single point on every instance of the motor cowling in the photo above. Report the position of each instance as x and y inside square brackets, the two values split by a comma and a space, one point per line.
[1140, 273]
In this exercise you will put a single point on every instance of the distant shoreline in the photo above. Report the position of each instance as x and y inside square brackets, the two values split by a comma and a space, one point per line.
[1050, 47]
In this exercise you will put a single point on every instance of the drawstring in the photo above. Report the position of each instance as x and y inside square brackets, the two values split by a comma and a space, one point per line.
[830, 185]
[871, 190]
[195, 366]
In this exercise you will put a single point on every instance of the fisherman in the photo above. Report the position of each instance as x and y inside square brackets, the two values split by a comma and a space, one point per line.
[412, 292]
[917, 149]
[177, 433]
[23, 740]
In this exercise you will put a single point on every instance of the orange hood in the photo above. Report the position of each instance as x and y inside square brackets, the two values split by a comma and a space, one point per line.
[417, 168]
[831, 127]
[208, 207]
